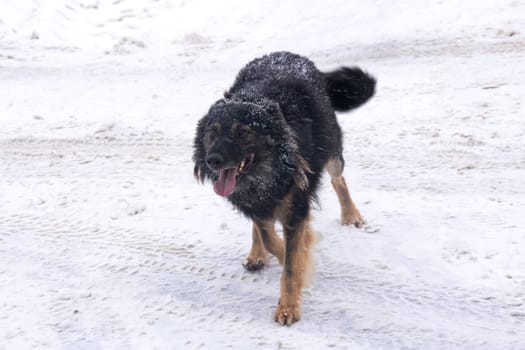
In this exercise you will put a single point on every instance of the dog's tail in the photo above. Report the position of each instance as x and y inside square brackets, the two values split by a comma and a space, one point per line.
[349, 88]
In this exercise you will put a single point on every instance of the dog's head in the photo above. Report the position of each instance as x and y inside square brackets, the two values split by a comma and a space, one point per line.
[239, 142]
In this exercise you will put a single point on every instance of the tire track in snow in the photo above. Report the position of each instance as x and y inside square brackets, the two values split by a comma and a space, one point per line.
[213, 280]
[425, 48]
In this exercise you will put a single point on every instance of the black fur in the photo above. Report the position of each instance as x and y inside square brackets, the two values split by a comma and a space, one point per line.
[280, 113]
[349, 88]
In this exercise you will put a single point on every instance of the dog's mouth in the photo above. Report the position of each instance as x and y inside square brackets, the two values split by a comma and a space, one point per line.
[228, 177]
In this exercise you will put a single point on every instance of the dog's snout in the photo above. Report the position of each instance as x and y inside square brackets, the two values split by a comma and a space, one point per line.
[215, 160]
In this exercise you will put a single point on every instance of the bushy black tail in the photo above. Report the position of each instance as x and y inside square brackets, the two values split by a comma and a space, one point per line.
[349, 88]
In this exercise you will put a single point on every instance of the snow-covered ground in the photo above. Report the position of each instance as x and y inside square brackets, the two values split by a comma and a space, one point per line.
[107, 242]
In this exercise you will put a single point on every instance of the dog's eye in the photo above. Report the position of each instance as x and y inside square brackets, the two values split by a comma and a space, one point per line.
[243, 133]
[210, 137]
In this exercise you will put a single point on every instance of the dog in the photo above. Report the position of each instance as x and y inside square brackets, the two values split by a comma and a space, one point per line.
[264, 146]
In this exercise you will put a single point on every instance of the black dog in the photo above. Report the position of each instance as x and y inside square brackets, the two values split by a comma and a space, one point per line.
[264, 147]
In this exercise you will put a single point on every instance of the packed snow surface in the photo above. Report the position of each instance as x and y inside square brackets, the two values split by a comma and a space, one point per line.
[107, 241]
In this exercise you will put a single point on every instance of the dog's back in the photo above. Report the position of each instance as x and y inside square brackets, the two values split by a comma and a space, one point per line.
[307, 98]
[347, 87]
[278, 67]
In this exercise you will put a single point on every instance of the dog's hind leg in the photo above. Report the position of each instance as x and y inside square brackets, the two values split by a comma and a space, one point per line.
[349, 213]
[264, 238]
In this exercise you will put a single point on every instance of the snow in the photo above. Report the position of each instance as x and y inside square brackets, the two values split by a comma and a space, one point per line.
[107, 241]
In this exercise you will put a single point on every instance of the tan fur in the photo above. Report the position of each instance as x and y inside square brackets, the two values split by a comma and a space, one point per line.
[265, 239]
[296, 274]
[281, 212]
[257, 257]
[349, 213]
[295, 252]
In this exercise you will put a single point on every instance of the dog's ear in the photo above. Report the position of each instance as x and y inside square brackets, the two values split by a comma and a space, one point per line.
[272, 108]
[199, 153]
[198, 173]
[293, 160]
[270, 141]
[300, 177]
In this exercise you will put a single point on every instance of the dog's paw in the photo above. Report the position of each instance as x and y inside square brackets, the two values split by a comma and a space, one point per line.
[252, 264]
[287, 315]
[353, 219]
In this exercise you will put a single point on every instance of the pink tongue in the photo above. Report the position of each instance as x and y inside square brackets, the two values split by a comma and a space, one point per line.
[226, 182]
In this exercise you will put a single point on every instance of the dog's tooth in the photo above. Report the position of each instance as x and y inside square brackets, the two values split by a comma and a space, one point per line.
[241, 166]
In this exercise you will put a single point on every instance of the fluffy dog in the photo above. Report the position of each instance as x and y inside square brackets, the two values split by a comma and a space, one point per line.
[265, 145]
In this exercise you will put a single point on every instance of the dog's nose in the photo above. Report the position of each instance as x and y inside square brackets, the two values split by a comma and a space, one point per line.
[215, 160]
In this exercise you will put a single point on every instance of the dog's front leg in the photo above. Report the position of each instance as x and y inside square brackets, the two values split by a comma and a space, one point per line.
[257, 257]
[296, 270]
[264, 238]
